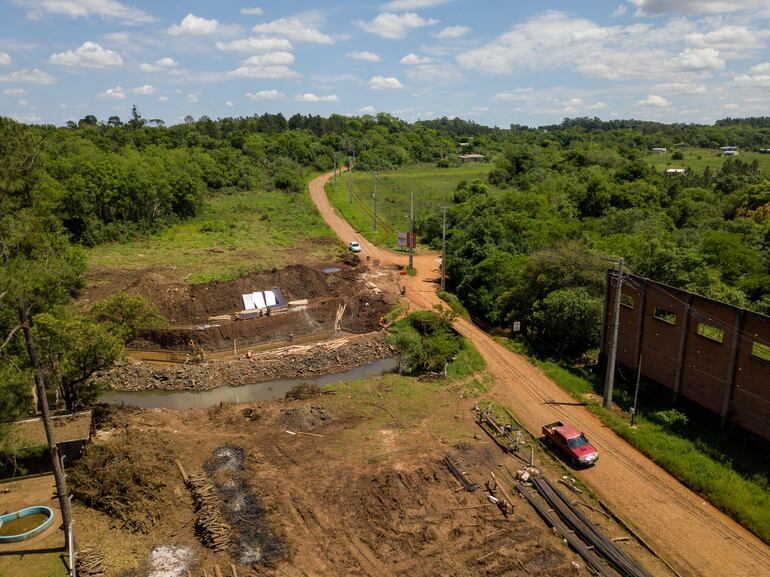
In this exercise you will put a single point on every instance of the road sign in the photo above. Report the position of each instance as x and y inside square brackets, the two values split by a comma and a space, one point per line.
[516, 326]
[402, 239]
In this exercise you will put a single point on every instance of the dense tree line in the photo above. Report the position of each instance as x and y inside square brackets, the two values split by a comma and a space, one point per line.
[567, 203]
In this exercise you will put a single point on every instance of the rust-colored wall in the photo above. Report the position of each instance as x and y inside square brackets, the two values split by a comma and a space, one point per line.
[690, 364]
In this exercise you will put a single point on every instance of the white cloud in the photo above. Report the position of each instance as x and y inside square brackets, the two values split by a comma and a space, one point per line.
[255, 11]
[384, 83]
[700, 59]
[453, 32]
[255, 44]
[166, 64]
[411, 4]
[558, 41]
[28, 76]
[657, 7]
[116, 93]
[395, 26]
[194, 98]
[621, 10]
[22, 102]
[264, 72]
[736, 39]
[27, 118]
[14, 92]
[162, 98]
[681, 88]
[596, 106]
[270, 59]
[517, 95]
[309, 97]
[654, 100]
[298, 28]
[367, 110]
[266, 95]
[5, 59]
[87, 55]
[229, 104]
[366, 56]
[83, 8]
[145, 90]
[759, 77]
[412, 59]
[731, 106]
[192, 25]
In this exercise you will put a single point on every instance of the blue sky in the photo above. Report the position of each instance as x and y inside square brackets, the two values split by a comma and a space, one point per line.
[494, 61]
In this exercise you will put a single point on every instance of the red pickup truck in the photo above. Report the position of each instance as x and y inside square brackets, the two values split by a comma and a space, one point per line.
[571, 443]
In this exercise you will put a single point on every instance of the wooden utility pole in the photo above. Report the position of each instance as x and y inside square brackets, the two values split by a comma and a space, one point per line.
[609, 380]
[443, 253]
[411, 230]
[58, 470]
[374, 200]
[335, 168]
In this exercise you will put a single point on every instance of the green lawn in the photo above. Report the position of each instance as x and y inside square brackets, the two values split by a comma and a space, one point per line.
[697, 159]
[732, 474]
[234, 235]
[432, 188]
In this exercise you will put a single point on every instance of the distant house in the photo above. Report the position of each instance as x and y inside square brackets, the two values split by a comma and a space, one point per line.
[471, 158]
[764, 150]
[729, 150]
[659, 150]
[463, 144]
[674, 171]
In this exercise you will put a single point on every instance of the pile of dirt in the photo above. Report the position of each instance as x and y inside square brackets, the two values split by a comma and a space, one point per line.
[304, 419]
[254, 542]
[185, 303]
[303, 392]
[313, 362]
[127, 478]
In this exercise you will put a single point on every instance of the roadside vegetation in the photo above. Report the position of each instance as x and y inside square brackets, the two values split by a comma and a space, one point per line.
[729, 470]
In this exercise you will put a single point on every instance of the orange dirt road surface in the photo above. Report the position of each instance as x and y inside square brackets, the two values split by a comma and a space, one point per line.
[690, 534]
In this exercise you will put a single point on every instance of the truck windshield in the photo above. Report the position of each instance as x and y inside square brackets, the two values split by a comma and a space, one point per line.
[576, 442]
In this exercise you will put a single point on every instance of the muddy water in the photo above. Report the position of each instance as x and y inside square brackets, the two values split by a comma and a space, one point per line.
[267, 391]
[19, 526]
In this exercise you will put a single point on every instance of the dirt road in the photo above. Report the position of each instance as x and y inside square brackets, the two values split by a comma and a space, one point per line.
[688, 532]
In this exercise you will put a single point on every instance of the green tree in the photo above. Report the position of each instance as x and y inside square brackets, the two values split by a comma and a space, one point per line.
[125, 315]
[72, 349]
[566, 322]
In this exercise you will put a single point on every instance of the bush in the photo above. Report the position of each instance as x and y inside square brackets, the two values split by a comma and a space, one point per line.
[426, 340]
[126, 315]
[567, 322]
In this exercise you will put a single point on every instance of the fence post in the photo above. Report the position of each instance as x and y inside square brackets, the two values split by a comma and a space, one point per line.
[682, 347]
[731, 369]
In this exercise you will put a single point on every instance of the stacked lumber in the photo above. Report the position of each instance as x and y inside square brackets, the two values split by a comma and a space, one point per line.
[89, 563]
[210, 525]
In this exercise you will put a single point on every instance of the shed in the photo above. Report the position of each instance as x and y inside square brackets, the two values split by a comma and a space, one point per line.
[472, 158]
[672, 171]
[659, 150]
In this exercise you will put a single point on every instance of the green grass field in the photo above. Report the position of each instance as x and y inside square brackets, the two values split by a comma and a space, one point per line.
[432, 188]
[234, 235]
[697, 159]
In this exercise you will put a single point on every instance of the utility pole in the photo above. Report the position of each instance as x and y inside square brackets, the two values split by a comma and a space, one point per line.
[335, 169]
[609, 380]
[411, 230]
[636, 391]
[350, 186]
[443, 253]
[58, 471]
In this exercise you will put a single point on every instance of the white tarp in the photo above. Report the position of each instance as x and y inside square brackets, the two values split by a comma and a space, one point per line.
[248, 302]
[270, 299]
[259, 300]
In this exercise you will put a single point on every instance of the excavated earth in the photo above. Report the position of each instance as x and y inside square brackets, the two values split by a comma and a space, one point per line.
[278, 364]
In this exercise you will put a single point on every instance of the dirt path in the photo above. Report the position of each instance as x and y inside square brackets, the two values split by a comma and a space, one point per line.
[688, 532]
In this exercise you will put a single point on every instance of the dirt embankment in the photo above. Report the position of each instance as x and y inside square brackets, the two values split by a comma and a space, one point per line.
[287, 363]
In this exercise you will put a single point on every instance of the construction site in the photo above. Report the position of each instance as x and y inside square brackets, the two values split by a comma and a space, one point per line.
[329, 471]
